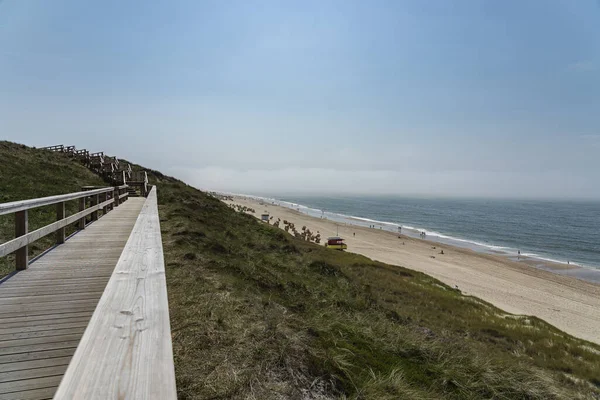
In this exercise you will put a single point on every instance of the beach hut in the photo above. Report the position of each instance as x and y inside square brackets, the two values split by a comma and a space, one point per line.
[264, 217]
[336, 242]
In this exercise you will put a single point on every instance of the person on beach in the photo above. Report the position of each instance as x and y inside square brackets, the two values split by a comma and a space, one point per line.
[354, 234]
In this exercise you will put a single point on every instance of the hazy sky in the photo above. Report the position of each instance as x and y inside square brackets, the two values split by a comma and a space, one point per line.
[463, 98]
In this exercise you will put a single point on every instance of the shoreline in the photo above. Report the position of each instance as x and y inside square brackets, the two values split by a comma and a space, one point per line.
[517, 287]
[580, 271]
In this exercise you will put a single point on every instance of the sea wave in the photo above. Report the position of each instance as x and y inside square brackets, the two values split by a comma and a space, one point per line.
[430, 234]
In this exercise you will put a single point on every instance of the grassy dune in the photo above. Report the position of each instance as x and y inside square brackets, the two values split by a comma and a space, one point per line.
[258, 314]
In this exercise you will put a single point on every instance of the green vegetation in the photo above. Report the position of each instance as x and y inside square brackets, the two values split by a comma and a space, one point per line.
[256, 313]
[27, 173]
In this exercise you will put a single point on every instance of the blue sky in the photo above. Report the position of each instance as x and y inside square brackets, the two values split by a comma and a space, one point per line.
[437, 98]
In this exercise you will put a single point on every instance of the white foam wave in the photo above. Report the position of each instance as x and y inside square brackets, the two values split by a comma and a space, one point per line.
[553, 260]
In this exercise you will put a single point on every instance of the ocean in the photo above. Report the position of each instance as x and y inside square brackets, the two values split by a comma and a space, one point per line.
[556, 231]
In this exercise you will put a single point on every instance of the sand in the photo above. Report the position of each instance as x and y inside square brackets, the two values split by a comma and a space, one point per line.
[568, 303]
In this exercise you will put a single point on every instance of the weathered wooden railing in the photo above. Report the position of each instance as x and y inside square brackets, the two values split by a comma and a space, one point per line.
[126, 350]
[139, 178]
[58, 147]
[100, 198]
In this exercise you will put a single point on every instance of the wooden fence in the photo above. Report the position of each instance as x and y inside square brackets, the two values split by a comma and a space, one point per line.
[100, 199]
[110, 168]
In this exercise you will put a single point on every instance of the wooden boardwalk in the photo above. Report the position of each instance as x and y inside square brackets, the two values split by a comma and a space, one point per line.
[45, 309]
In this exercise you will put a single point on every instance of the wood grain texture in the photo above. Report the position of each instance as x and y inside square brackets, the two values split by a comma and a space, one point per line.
[45, 309]
[126, 351]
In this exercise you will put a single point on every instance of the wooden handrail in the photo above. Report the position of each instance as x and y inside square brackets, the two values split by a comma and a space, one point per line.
[103, 198]
[21, 205]
[126, 350]
[58, 147]
[17, 243]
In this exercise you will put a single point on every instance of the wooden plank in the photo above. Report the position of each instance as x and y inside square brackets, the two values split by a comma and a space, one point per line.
[4, 330]
[27, 384]
[14, 337]
[65, 344]
[78, 305]
[65, 311]
[57, 277]
[26, 325]
[21, 205]
[20, 344]
[35, 394]
[25, 283]
[126, 350]
[26, 365]
[51, 289]
[10, 360]
[44, 318]
[48, 298]
[42, 372]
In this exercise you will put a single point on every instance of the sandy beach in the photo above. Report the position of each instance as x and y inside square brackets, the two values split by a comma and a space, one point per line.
[570, 304]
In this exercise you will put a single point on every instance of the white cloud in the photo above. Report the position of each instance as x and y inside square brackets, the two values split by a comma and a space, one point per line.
[592, 140]
[582, 66]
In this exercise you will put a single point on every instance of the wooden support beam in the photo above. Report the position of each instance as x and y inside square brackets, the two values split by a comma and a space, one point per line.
[60, 214]
[103, 198]
[21, 228]
[95, 200]
[81, 223]
[116, 196]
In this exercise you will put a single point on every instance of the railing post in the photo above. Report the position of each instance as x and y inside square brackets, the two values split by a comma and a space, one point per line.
[95, 200]
[60, 214]
[116, 196]
[21, 228]
[103, 198]
[81, 223]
